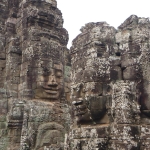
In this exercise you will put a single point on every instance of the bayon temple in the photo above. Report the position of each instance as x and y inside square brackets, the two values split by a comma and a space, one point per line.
[93, 96]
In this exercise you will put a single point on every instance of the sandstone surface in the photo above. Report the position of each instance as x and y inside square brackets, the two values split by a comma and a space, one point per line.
[94, 96]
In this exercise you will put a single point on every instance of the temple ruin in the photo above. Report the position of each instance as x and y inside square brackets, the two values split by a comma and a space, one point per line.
[93, 96]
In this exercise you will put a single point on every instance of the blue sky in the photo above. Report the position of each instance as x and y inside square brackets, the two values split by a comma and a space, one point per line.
[76, 13]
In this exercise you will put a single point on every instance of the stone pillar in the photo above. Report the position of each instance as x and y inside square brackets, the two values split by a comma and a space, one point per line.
[3, 94]
[13, 64]
[91, 74]
[36, 61]
[42, 84]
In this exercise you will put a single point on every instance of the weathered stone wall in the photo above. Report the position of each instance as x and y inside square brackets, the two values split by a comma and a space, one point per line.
[110, 86]
[93, 96]
[34, 73]
[3, 92]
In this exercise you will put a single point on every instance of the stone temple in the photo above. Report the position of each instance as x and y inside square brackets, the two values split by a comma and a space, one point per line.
[95, 96]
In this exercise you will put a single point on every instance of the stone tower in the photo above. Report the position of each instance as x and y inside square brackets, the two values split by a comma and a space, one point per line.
[110, 86]
[33, 64]
[94, 96]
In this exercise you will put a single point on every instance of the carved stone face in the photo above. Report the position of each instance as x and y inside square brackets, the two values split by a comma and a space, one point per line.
[91, 73]
[88, 95]
[89, 102]
[50, 82]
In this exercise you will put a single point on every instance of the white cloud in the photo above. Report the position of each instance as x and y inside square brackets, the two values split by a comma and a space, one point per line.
[77, 13]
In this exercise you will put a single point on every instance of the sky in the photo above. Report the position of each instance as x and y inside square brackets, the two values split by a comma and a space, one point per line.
[76, 13]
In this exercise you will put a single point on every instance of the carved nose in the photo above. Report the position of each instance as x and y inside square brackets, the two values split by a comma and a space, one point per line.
[52, 81]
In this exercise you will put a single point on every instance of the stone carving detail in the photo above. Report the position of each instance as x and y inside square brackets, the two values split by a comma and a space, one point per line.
[91, 71]
[90, 88]
[109, 89]
[93, 96]
[33, 61]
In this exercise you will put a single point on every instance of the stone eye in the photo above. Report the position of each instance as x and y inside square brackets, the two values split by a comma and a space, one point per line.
[58, 74]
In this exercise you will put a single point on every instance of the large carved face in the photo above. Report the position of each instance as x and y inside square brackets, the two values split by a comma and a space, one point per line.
[50, 81]
[91, 72]
[88, 92]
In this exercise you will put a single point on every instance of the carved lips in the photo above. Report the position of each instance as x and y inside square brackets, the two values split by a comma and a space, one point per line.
[53, 91]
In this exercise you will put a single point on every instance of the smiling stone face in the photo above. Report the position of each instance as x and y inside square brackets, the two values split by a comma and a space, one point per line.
[50, 82]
